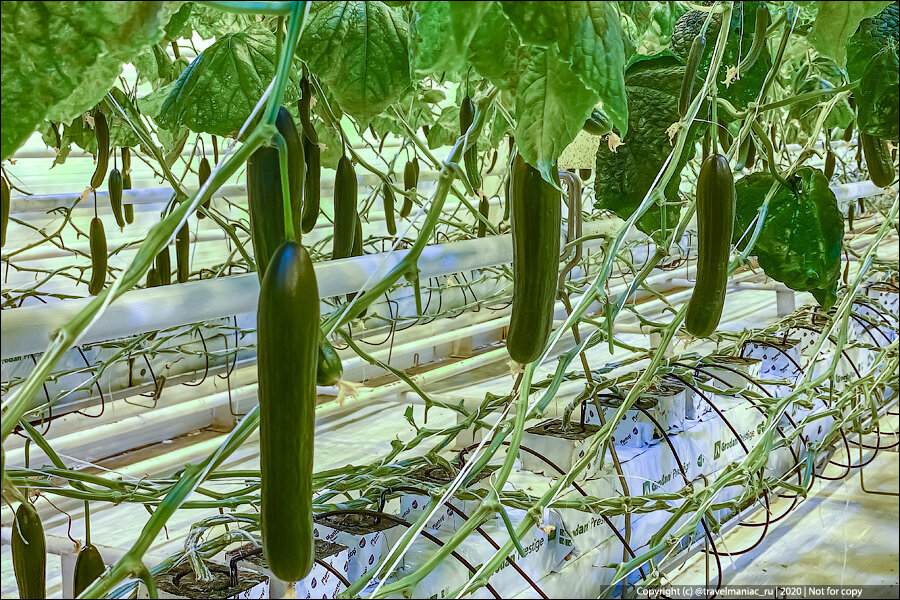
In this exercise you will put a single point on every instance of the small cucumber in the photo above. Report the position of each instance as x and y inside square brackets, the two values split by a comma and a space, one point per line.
[98, 256]
[88, 567]
[29, 552]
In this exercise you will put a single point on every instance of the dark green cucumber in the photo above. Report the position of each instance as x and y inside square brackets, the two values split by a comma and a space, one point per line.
[203, 173]
[296, 163]
[329, 368]
[128, 209]
[164, 266]
[29, 552]
[115, 186]
[484, 208]
[597, 124]
[410, 181]
[101, 133]
[848, 133]
[153, 278]
[388, 193]
[311, 191]
[98, 256]
[470, 156]
[829, 164]
[88, 567]
[183, 253]
[304, 105]
[345, 215]
[536, 218]
[715, 220]
[287, 356]
[690, 73]
[584, 174]
[4, 210]
[878, 159]
[356, 250]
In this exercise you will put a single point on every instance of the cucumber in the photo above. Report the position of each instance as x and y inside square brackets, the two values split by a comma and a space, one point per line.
[329, 369]
[101, 132]
[345, 215]
[88, 567]
[128, 209]
[878, 159]
[829, 164]
[484, 207]
[410, 181]
[296, 163]
[356, 250]
[304, 104]
[287, 356]
[153, 278]
[715, 221]
[98, 257]
[597, 124]
[584, 174]
[311, 189]
[690, 73]
[115, 186]
[183, 253]
[203, 173]
[29, 552]
[536, 218]
[4, 210]
[388, 193]
[470, 156]
[164, 266]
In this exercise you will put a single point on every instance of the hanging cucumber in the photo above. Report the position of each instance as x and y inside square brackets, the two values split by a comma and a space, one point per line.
[388, 193]
[183, 253]
[596, 124]
[584, 174]
[88, 567]
[329, 369]
[29, 552]
[536, 219]
[311, 191]
[345, 215]
[878, 159]
[829, 164]
[296, 163]
[4, 210]
[410, 181]
[153, 278]
[101, 132]
[287, 356]
[98, 256]
[470, 156]
[690, 73]
[484, 208]
[715, 220]
[115, 186]
[304, 106]
[357, 250]
[164, 266]
[127, 209]
[203, 173]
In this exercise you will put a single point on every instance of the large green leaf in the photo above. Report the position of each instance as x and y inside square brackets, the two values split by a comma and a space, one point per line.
[624, 176]
[217, 92]
[442, 32]
[878, 96]
[551, 106]
[496, 52]
[589, 38]
[873, 34]
[801, 239]
[60, 58]
[360, 51]
[836, 22]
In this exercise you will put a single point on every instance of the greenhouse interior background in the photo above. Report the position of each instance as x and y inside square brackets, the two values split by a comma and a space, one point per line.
[450, 299]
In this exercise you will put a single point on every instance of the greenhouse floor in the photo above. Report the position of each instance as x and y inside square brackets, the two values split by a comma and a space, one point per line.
[841, 535]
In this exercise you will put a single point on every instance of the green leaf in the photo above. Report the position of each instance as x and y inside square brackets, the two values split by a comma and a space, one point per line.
[496, 52]
[589, 38]
[873, 34]
[360, 51]
[217, 92]
[60, 58]
[624, 177]
[551, 106]
[445, 130]
[836, 22]
[442, 32]
[801, 239]
[878, 97]
[212, 23]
